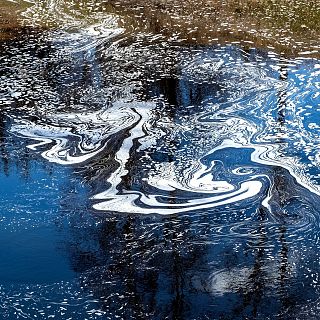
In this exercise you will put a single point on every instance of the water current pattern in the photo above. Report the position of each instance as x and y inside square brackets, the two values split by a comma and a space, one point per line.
[146, 178]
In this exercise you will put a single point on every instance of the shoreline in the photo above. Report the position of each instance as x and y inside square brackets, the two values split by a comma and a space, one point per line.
[289, 27]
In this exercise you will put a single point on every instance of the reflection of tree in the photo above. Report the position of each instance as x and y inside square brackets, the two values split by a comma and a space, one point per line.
[148, 264]
[9, 149]
[281, 185]
[255, 294]
[140, 267]
[3, 150]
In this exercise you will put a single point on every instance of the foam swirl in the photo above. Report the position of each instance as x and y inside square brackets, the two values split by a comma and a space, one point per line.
[178, 149]
[75, 137]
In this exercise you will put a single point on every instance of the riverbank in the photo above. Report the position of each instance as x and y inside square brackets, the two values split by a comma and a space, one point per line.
[290, 27]
[11, 22]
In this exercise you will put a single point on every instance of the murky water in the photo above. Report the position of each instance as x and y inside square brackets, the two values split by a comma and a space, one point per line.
[145, 175]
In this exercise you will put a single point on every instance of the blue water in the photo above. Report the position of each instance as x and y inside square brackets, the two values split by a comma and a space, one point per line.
[146, 179]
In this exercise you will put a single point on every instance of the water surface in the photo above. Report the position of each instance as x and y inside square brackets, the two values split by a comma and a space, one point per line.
[146, 176]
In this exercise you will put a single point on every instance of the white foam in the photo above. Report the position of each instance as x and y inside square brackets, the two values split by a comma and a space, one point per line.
[127, 202]
[76, 137]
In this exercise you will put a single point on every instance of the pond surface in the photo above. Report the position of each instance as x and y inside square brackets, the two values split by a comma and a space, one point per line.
[147, 177]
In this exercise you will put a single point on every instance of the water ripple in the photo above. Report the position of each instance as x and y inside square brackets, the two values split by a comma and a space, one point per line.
[175, 148]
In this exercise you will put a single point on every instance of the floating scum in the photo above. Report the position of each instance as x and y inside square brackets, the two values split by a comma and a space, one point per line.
[186, 176]
[227, 117]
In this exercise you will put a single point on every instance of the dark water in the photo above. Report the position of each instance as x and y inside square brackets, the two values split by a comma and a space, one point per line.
[142, 178]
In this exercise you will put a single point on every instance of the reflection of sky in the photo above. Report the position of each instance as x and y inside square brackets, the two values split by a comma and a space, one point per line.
[31, 192]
